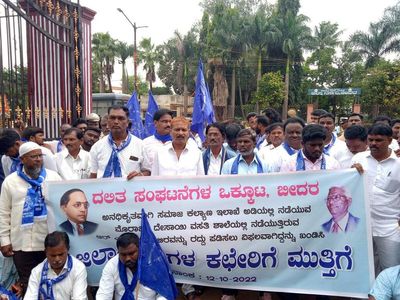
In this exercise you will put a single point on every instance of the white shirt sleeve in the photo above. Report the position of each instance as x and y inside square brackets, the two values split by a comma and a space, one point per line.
[107, 283]
[155, 169]
[32, 291]
[80, 283]
[200, 165]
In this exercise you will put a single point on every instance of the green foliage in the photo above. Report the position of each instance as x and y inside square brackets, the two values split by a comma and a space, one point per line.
[161, 90]
[271, 91]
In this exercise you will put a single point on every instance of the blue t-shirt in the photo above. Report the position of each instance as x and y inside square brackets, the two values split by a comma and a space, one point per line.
[387, 285]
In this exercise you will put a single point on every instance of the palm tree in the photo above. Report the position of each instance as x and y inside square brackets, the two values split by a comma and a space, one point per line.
[382, 38]
[296, 35]
[149, 55]
[124, 51]
[326, 35]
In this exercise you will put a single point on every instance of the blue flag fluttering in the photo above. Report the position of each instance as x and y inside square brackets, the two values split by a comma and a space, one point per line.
[152, 107]
[137, 128]
[203, 110]
[153, 267]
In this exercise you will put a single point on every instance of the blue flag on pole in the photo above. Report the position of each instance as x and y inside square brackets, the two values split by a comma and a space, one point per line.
[153, 267]
[152, 107]
[137, 128]
[203, 110]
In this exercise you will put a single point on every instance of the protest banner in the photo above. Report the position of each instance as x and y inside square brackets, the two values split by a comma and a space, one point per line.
[267, 232]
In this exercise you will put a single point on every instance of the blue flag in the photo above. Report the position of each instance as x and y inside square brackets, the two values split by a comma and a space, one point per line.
[137, 128]
[203, 110]
[153, 267]
[11, 295]
[152, 107]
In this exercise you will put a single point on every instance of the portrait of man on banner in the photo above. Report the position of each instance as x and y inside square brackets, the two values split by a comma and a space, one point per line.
[76, 207]
[338, 203]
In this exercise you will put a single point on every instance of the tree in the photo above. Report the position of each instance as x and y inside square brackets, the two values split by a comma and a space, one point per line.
[271, 90]
[124, 51]
[381, 39]
[149, 56]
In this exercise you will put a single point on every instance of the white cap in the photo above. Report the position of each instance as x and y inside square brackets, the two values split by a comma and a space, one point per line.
[28, 147]
[93, 117]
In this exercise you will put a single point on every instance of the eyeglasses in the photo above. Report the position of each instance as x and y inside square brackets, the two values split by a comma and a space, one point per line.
[79, 204]
[37, 156]
[341, 198]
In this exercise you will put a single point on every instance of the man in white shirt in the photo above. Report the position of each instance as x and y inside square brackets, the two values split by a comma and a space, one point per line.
[247, 161]
[355, 119]
[395, 124]
[162, 136]
[311, 157]
[383, 173]
[23, 211]
[331, 142]
[73, 162]
[60, 275]
[275, 137]
[121, 153]
[119, 275]
[293, 128]
[57, 145]
[10, 141]
[216, 154]
[179, 157]
[356, 142]
[261, 131]
[90, 137]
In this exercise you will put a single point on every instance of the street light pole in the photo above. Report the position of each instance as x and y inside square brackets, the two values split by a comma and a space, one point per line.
[134, 46]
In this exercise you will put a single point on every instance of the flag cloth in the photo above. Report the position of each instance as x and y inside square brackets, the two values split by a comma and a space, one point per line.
[137, 128]
[152, 107]
[153, 267]
[203, 110]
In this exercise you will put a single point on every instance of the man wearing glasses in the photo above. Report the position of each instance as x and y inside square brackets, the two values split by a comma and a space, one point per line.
[75, 206]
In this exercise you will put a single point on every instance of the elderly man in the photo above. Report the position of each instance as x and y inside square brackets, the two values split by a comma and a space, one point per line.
[178, 157]
[60, 275]
[119, 278]
[73, 163]
[311, 157]
[247, 161]
[383, 172]
[10, 142]
[23, 211]
[121, 153]
[162, 123]
[338, 203]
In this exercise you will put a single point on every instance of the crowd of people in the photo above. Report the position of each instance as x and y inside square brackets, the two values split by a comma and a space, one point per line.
[97, 147]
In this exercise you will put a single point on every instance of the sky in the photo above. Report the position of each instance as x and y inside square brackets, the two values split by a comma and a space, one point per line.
[163, 17]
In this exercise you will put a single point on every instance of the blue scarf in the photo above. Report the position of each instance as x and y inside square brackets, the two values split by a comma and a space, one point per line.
[260, 141]
[163, 138]
[301, 166]
[289, 149]
[34, 206]
[113, 165]
[47, 294]
[328, 147]
[16, 162]
[235, 165]
[59, 146]
[129, 288]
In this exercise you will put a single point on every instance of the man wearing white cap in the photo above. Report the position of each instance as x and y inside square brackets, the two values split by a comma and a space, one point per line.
[93, 120]
[23, 212]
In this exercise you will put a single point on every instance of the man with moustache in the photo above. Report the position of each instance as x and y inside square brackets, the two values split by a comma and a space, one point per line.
[293, 128]
[216, 154]
[178, 157]
[119, 278]
[162, 123]
[355, 119]
[331, 143]
[73, 163]
[23, 212]
[275, 136]
[311, 156]
[247, 161]
[121, 153]
[90, 137]
[383, 172]
[60, 275]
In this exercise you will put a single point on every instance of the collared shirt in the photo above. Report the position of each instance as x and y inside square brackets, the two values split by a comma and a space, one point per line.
[342, 223]
[387, 284]
[215, 164]
[150, 148]
[394, 145]
[384, 191]
[48, 161]
[338, 145]
[276, 157]
[70, 168]
[12, 199]
[54, 145]
[264, 151]
[71, 287]
[289, 165]
[344, 157]
[131, 158]
[244, 168]
[111, 287]
[166, 163]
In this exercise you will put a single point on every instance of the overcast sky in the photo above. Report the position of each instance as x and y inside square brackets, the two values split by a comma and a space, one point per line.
[165, 16]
